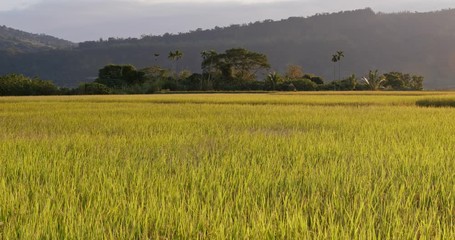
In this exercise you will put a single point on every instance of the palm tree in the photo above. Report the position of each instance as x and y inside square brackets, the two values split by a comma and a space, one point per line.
[334, 60]
[340, 56]
[156, 55]
[175, 56]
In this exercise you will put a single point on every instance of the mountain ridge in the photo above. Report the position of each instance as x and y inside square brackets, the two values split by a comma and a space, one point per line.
[420, 43]
[17, 41]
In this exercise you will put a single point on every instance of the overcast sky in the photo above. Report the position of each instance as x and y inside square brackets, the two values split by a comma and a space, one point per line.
[80, 20]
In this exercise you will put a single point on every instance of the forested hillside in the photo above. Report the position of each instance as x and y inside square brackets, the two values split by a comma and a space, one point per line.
[420, 43]
[14, 41]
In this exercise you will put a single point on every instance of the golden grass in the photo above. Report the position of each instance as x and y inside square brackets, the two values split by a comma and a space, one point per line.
[229, 166]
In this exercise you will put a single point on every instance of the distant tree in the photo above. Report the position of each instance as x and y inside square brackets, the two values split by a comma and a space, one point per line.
[175, 56]
[273, 79]
[20, 85]
[117, 76]
[304, 85]
[294, 72]
[184, 74]
[348, 84]
[375, 81]
[334, 60]
[416, 83]
[192, 82]
[238, 64]
[156, 55]
[352, 82]
[93, 88]
[207, 66]
[340, 56]
[394, 80]
[155, 73]
[401, 81]
[42, 87]
[316, 79]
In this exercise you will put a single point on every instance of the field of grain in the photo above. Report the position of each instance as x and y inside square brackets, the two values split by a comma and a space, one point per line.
[228, 166]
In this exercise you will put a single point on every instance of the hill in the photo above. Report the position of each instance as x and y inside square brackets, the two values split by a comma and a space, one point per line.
[421, 43]
[16, 41]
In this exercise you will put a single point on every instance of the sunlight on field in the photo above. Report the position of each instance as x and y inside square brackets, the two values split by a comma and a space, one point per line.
[229, 166]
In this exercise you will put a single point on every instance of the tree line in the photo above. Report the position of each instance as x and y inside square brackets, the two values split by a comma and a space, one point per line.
[235, 69]
[370, 40]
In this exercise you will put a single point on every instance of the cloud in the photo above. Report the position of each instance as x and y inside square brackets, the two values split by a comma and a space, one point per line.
[80, 20]
[85, 20]
[17, 4]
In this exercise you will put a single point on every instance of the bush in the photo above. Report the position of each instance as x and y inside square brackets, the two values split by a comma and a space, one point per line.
[286, 86]
[20, 85]
[304, 85]
[118, 76]
[93, 89]
[317, 80]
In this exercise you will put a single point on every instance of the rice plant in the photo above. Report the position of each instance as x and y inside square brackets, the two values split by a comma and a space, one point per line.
[228, 166]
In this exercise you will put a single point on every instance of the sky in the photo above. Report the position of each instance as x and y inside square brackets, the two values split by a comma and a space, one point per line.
[83, 20]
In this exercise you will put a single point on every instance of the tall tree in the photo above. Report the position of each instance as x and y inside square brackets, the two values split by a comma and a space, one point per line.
[118, 76]
[238, 64]
[334, 60]
[294, 72]
[175, 56]
[340, 56]
[156, 55]
[207, 64]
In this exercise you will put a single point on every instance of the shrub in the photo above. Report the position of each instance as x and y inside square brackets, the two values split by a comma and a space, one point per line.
[93, 88]
[20, 85]
[304, 85]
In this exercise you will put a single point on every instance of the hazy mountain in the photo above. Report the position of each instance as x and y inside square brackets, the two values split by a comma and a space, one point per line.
[16, 41]
[420, 43]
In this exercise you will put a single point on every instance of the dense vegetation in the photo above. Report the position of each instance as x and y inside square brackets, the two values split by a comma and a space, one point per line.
[19, 85]
[277, 166]
[420, 43]
[14, 41]
[234, 70]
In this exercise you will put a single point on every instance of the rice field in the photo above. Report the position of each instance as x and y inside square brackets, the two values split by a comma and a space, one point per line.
[228, 166]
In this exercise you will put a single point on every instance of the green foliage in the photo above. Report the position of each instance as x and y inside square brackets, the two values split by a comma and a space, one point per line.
[402, 81]
[93, 89]
[348, 84]
[207, 67]
[273, 80]
[155, 73]
[235, 65]
[20, 85]
[370, 39]
[193, 82]
[118, 76]
[375, 81]
[286, 86]
[175, 56]
[15, 42]
[304, 85]
[336, 58]
[316, 79]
